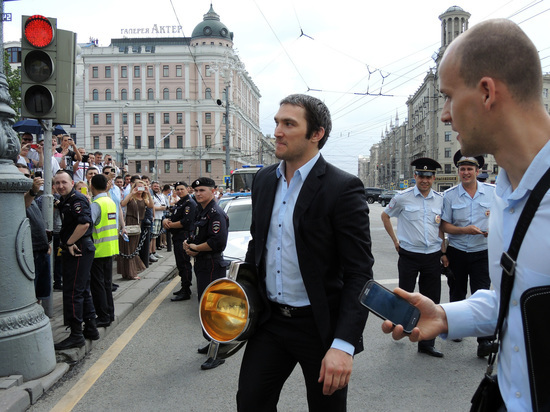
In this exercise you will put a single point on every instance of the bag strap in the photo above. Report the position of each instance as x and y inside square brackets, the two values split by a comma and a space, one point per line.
[508, 260]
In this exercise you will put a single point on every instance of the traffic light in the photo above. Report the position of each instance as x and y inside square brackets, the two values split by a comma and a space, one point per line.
[47, 75]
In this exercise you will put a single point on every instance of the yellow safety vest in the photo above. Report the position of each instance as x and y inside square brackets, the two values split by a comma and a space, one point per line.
[105, 233]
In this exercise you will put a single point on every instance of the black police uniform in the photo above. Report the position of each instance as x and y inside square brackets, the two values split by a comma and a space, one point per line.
[77, 300]
[184, 212]
[211, 226]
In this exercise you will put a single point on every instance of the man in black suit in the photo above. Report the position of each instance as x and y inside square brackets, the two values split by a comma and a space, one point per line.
[312, 249]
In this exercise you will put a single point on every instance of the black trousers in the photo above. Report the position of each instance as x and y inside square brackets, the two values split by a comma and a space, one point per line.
[270, 357]
[77, 300]
[101, 283]
[57, 271]
[144, 251]
[410, 265]
[208, 270]
[183, 262]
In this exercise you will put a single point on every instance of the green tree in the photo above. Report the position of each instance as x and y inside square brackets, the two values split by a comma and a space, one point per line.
[14, 85]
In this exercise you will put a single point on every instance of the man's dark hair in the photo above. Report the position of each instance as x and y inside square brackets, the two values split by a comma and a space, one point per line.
[118, 177]
[99, 182]
[134, 178]
[64, 171]
[144, 177]
[165, 187]
[107, 167]
[499, 49]
[98, 154]
[317, 114]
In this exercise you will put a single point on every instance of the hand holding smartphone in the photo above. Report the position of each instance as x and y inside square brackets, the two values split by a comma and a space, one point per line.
[387, 305]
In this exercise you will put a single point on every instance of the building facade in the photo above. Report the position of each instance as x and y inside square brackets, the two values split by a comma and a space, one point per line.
[423, 134]
[168, 105]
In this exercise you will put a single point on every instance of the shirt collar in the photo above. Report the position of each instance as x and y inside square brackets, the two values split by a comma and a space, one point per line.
[417, 192]
[303, 171]
[102, 194]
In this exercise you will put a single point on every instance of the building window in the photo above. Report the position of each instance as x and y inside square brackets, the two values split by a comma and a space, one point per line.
[151, 142]
[151, 118]
[179, 118]
[208, 166]
[179, 142]
[107, 72]
[447, 153]
[208, 141]
[138, 142]
[167, 143]
[207, 70]
[178, 71]
[137, 94]
[167, 166]
[124, 94]
[14, 54]
[166, 94]
[137, 118]
[165, 71]
[108, 94]
[96, 119]
[124, 118]
[96, 142]
[95, 72]
[137, 71]
[179, 94]
[108, 142]
[447, 168]
[138, 166]
[150, 94]
[149, 71]
[208, 93]
[152, 166]
[123, 72]
[180, 166]
[108, 118]
[166, 118]
[208, 118]
[95, 94]
[448, 136]
[73, 136]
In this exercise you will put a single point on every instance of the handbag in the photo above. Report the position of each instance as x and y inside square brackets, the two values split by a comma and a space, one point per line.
[487, 397]
[133, 230]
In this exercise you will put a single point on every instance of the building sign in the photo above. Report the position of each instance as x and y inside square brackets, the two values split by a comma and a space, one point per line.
[450, 179]
[6, 16]
[155, 29]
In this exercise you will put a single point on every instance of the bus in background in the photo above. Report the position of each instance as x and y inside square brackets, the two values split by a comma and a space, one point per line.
[242, 178]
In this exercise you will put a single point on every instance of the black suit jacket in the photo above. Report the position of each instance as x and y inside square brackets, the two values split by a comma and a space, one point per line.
[331, 226]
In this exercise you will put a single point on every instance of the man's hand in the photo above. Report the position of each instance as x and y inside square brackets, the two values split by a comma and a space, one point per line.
[433, 320]
[335, 370]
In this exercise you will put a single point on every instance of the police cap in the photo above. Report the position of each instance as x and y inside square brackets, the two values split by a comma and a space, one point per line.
[477, 161]
[425, 166]
[180, 183]
[203, 181]
[482, 177]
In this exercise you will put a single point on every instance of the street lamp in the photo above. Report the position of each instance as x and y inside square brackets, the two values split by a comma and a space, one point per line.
[122, 138]
[156, 152]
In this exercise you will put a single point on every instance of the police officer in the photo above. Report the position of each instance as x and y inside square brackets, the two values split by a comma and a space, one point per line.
[105, 236]
[465, 218]
[78, 254]
[419, 239]
[181, 225]
[210, 239]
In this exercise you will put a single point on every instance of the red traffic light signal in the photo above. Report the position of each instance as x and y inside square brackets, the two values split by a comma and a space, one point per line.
[38, 31]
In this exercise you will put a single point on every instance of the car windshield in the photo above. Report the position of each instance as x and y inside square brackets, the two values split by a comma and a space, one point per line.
[240, 217]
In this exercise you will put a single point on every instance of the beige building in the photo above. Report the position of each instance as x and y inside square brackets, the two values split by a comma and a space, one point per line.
[423, 134]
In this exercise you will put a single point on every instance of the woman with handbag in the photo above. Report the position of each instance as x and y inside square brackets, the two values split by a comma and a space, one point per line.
[128, 262]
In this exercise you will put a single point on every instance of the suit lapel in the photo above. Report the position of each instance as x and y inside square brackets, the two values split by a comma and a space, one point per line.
[309, 189]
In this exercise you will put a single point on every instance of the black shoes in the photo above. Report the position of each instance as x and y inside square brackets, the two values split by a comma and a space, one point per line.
[430, 350]
[457, 340]
[182, 296]
[103, 324]
[114, 287]
[75, 340]
[203, 350]
[484, 348]
[90, 330]
[212, 363]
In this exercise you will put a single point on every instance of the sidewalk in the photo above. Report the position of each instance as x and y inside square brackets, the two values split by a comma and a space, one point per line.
[16, 395]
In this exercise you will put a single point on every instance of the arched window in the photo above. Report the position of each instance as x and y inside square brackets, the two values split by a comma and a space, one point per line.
[137, 94]
[108, 94]
[123, 94]
[166, 94]
[208, 93]
[150, 94]
[95, 94]
[179, 94]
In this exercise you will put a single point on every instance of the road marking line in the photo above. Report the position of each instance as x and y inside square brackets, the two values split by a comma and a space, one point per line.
[69, 401]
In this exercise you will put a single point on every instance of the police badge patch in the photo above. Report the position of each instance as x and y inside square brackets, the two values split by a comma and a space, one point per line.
[216, 226]
[77, 207]
[187, 209]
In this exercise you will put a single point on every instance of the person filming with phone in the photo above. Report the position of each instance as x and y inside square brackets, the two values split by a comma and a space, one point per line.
[496, 111]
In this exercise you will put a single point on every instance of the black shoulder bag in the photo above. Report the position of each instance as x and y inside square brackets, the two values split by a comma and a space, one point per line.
[487, 396]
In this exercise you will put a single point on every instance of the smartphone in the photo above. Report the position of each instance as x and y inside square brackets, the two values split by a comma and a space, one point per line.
[125, 237]
[84, 190]
[38, 173]
[141, 189]
[388, 306]
[34, 146]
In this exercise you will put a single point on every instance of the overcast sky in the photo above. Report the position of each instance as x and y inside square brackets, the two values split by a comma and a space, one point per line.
[335, 50]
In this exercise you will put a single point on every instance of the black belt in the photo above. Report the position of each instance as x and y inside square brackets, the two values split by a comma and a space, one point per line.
[208, 255]
[291, 311]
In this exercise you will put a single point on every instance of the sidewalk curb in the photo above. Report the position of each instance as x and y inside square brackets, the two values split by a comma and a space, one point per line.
[18, 396]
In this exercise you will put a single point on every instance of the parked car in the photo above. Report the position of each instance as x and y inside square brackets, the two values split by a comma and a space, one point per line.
[372, 194]
[386, 196]
[239, 211]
